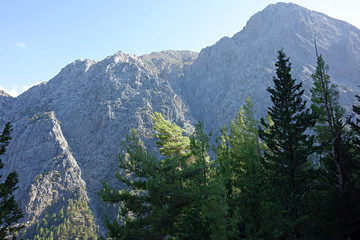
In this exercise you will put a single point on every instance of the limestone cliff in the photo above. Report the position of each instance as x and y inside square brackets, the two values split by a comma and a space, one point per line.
[68, 131]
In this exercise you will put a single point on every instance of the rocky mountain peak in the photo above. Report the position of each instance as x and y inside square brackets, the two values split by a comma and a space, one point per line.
[70, 128]
[82, 115]
[233, 69]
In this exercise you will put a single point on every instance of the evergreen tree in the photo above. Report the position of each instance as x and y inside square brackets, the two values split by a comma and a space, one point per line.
[225, 176]
[247, 150]
[10, 212]
[348, 200]
[76, 222]
[202, 217]
[339, 195]
[142, 211]
[170, 137]
[238, 159]
[290, 149]
[154, 195]
[356, 125]
[330, 123]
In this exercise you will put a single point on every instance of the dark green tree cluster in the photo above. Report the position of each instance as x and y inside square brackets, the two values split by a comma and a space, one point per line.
[356, 126]
[240, 171]
[170, 197]
[293, 175]
[73, 221]
[10, 212]
[338, 196]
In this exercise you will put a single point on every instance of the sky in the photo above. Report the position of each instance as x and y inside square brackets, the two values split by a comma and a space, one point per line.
[40, 37]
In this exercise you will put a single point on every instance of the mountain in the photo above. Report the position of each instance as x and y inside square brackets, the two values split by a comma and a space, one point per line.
[6, 102]
[68, 131]
[226, 74]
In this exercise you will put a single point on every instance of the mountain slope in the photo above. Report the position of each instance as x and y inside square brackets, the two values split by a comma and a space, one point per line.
[68, 131]
[225, 74]
[6, 101]
[96, 104]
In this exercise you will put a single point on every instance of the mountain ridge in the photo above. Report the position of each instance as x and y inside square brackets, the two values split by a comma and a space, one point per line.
[92, 105]
[251, 54]
[96, 103]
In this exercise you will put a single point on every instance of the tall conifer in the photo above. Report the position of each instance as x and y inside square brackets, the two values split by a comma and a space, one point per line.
[330, 124]
[239, 167]
[288, 161]
[339, 163]
[10, 212]
[154, 196]
[202, 217]
[356, 125]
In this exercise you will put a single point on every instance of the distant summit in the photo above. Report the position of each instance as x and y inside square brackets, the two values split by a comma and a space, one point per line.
[226, 74]
[67, 132]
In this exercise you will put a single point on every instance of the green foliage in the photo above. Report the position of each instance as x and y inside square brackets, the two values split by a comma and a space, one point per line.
[152, 199]
[170, 137]
[203, 215]
[240, 169]
[265, 183]
[356, 109]
[290, 149]
[329, 129]
[338, 194]
[10, 212]
[172, 197]
[73, 221]
[355, 126]
[323, 89]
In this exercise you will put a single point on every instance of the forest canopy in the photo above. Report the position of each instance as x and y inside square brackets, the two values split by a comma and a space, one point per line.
[293, 175]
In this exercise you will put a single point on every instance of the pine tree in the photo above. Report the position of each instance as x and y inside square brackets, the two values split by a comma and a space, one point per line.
[356, 125]
[330, 123]
[248, 150]
[225, 176]
[10, 212]
[154, 193]
[171, 140]
[137, 208]
[290, 147]
[202, 217]
[76, 222]
[239, 166]
[339, 164]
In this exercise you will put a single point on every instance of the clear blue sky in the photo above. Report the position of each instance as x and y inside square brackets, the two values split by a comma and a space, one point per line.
[39, 37]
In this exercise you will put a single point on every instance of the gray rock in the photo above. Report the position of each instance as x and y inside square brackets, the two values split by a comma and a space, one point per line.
[47, 170]
[6, 102]
[68, 131]
[96, 105]
[226, 74]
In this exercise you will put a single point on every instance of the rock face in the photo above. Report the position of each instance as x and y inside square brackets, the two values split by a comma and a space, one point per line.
[226, 74]
[68, 131]
[61, 175]
[48, 172]
[6, 101]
